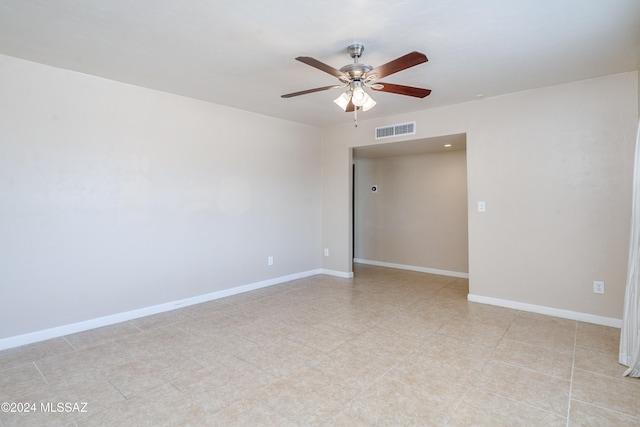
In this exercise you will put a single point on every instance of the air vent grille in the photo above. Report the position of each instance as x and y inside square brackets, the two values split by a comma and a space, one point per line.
[395, 130]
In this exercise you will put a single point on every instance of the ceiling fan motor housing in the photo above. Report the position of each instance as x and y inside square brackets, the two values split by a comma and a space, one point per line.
[356, 71]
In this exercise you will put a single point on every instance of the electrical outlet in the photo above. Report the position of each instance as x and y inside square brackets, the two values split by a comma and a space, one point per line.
[270, 260]
[598, 287]
[326, 251]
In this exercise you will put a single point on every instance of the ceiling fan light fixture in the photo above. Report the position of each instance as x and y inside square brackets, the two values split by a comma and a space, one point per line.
[359, 96]
[356, 76]
[343, 100]
[369, 103]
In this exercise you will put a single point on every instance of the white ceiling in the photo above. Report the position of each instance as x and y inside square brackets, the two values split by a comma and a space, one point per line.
[241, 53]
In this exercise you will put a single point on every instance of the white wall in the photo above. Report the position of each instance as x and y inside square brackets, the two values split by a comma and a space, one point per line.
[418, 216]
[554, 166]
[115, 197]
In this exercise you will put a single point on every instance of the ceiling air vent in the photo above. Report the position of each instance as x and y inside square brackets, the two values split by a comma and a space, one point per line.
[395, 130]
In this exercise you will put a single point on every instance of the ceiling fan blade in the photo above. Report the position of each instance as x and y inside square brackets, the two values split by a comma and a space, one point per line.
[323, 67]
[304, 92]
[401, 90]
[407, 61]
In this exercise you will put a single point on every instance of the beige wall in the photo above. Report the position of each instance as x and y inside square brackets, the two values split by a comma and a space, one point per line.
[418, 216]
[554, 166]
[114, 197]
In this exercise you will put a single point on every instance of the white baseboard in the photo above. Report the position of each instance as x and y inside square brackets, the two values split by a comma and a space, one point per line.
[549, 311]
[337, 273]
[413, 268]
[73, 328]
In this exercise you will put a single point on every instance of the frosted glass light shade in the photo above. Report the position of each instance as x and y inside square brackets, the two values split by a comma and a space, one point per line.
[343, 100]
[369, 103]
[359, 96]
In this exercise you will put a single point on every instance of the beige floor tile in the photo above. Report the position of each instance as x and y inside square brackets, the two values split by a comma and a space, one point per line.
[97, 336]
[284, 300]
[600, 362]
[531, 388]
[308, 396]
[137, 376]
[41, 417]
[421, 370]
[601, 338]
[81, 364]
[160, 319]
[253, 311]
[590, 328]
[383, 342]
[329, 305]
[410, 326]
[539, 359]
[257, 295]
[541, 321]
[202, 309]
[249, 412]
[387, 347]
[472, 331]
[210, 350]
[211, 325]
[279, 357]
[585, 415]
[390, 402]
[430, 313]
[398, 300]
[349, 417]
[216, 387]
[487, 315]
[480, 408]
[354, 320]
[26, 354]
[607, 392]
[451, 291]
[358, 367]
[451, 303]
[321, 336]
[265, 330]
[161, 406]
[556, 340]
[372, 305]
[97, 395]
[19, 381]
[469, 355]
[165, 338]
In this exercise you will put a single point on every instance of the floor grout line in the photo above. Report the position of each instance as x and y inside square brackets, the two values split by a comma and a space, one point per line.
[41, 374]
[573, 367]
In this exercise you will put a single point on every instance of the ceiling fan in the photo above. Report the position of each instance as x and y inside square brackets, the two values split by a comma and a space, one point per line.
[357, 76]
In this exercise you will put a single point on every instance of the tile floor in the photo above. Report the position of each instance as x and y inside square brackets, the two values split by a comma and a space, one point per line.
[388, 348]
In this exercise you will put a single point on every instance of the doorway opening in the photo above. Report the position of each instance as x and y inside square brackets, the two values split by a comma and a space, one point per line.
[410, 205]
